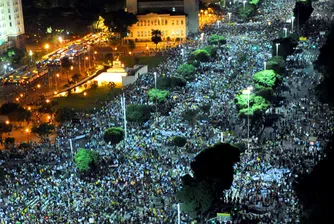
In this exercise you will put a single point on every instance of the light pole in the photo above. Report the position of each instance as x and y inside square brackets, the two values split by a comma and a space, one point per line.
[244, 2]
[229, 17]
[47, 46]
[292, 19]
[30, 54]
[248, 91]
[264, 65]
[202, 38]
[155, 80]
[218, 22]
[277, 45]
[285, 32]
[124, 116]
[27, 132]
[182, 53]
[178, 214]
[60, 40]
[5, 67]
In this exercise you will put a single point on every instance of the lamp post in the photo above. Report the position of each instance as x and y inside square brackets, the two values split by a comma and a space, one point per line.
[178, 214]
[248, 91]
[124, 116]
[264, 65]
[60, 40]
[218, 23]
[277, 45]
[47, 46]
[27, 132]
[202, 38]
[229, 17]
[244, 3]
[30, 54]
[285, 32]
[292, 20]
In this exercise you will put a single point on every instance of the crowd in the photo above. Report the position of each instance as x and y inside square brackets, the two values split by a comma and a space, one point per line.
[43, 186]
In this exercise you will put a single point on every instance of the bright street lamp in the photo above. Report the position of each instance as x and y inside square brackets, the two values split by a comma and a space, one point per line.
[248, 91]
[60, 40]
[30, 54]
[277, 45]
[47, 46]
[292, 19]
[244, 2]
[285, 32]
[229, 17]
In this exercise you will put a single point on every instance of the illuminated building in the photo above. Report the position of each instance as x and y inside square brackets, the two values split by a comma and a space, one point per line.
[11, 24]
[167, 10]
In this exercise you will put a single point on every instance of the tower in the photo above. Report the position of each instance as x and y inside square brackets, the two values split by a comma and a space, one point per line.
[191, 8]
[131, 6]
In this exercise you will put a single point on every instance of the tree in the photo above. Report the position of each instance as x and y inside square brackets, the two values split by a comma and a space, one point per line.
[205, 107]
[113, 135]
[190, 115]
[76, 77]
[179, 141]
[138, 113]
[216, 40]
[8, 108]
[257, 105]
[215, 165]
[15, 54]
[276, 63]
[43, 131]
[24, 145]
[86, 159]
[64, 115]
[23, 114]
[5, 128]
[170, 82]
[48, 107]
[265, 79]
[196, 197]
[119, 21]
[325, 65]
[200, 55]
[246, 12]
[131, 45]
[156, 37]
[211, 50]
[187, 71]
[302, 11]
[9, 141]
[158, 95]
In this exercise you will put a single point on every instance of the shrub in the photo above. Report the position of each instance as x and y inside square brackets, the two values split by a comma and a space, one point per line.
[216, 39]
[200, 55]
[179, 141]
[138, 113]
[211, 50]
[86, 159]
[187, 71]
[158, 95]
[113, 135]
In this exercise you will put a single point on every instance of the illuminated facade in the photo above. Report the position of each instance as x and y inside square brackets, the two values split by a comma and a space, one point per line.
[11, 24]
[186, 10]
[172, 26]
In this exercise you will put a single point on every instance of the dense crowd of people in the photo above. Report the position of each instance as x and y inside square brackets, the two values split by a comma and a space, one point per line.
[142, 175]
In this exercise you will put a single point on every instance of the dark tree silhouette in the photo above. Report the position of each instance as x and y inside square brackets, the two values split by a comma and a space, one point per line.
[156, 37]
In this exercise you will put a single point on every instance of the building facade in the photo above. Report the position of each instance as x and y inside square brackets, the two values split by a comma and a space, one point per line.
[11, 25]
[171, 27]
[168, 11]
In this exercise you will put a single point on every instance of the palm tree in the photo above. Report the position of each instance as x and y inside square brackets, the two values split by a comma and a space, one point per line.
[156, 37]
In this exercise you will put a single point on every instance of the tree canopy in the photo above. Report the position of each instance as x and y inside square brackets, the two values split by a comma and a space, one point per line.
[158, 95]
[216, 39]
[265, 79]
[276, 63]
[200, 55]
[114, 135]
[211, 50]
[187, 71]
[85, 159]
[64, 115]
[43, 131]
[156, 37]
[119, 21]
[179, 141]
[138, 113]
[257, 104]
[170, 82]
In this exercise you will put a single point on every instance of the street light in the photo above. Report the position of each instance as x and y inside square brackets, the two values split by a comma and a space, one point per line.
[30, 54]
[7, 122]
[265, 65]
[38, 86]
[292, 19]
[248, 91]
[285, 32]
[27, 132]
[60, 40]
[277, 44]
[229, 17]
[155, 80]
[244, 2]
[47, 46]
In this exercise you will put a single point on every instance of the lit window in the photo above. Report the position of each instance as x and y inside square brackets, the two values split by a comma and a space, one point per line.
[181, 32]
[177, 22]
[166, 22]
[138, 34]
[173, 9]
[181, 22]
